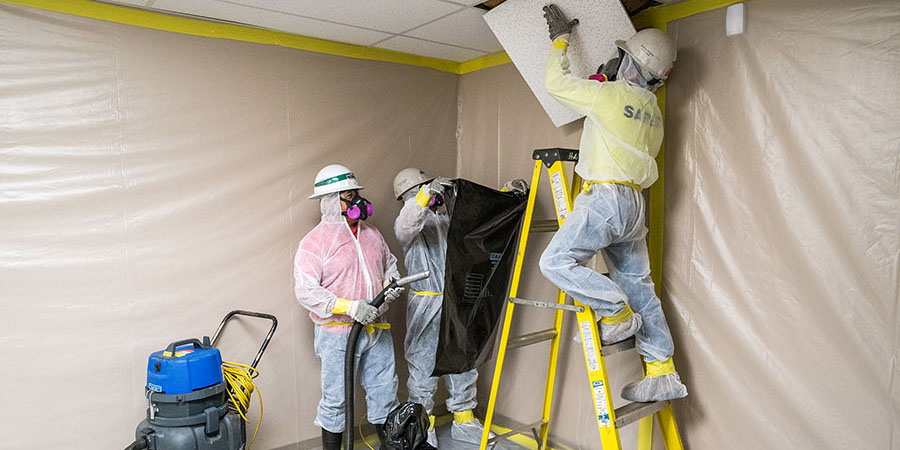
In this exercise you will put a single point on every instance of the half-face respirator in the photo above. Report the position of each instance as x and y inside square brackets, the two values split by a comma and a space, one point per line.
[436, 201]
[358, 207]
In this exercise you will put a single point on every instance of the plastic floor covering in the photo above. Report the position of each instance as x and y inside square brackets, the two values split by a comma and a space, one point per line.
[445, 442]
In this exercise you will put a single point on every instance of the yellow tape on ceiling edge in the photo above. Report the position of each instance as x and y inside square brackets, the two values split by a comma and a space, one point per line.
[198, 27]
[652, 17]
[659, 16]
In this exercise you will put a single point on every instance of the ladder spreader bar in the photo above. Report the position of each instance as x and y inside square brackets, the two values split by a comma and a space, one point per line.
[515, 431]
[544, 226]
[620, 346]
[633, 412]
[546, 305]
[531, 338]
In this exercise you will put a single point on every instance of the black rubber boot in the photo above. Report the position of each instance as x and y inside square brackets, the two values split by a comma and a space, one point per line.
[381, 437]
[331, 441]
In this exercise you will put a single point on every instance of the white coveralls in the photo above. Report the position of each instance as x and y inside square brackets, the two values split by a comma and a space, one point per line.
[423, 235]
[622, 135]
[332, 264]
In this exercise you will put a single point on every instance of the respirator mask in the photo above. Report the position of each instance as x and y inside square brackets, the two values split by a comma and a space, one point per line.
[436, 201]
[358, 207]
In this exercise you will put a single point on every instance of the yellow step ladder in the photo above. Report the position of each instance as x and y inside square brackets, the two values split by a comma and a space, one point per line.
[609, 419]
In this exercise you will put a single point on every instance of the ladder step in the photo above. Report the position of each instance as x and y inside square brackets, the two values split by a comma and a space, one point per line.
[547, 305]
[531, 338]
[633, 412]
[513, 432]
[544, 226]
[620, 346]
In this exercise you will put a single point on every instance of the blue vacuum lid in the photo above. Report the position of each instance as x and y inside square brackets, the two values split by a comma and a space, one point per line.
[183, 367]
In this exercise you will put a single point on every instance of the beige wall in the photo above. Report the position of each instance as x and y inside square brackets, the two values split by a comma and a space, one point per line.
[150, 183]
[781, 254]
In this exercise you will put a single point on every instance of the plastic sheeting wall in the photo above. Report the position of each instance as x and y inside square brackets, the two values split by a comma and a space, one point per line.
[783, 226]
[782, 230]
[150, 182]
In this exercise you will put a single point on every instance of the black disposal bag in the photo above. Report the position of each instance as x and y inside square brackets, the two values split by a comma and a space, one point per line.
[406, 428]
[481, 252]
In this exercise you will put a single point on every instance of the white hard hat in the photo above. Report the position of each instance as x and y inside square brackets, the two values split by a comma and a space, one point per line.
[653, 50]
[407, 179]
[334, 178]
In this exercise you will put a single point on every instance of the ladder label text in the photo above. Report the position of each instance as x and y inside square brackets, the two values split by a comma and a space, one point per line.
[590, 352]
[559, 195]
[600, 402]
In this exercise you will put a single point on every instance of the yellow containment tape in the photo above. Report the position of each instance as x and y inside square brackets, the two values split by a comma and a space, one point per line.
[370, 327]
[660, 368]
[432, 420]
[587, 184]
[619, 317]
[464, 416]
[427, 293]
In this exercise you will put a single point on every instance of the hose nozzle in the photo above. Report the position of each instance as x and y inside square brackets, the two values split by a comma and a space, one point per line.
[414, 277]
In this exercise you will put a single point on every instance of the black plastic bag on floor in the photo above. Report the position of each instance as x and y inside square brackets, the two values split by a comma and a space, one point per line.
[406, 428]
[481, 252]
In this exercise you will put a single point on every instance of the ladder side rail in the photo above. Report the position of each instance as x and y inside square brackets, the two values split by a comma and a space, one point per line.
[671, 436]
[590, 336]
[510, 307]
[561, 192]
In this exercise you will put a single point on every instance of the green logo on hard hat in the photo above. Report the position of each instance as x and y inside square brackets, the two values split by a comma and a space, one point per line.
[342, 177]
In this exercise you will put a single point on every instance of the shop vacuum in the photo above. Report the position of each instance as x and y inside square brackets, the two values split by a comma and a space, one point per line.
[191, 404]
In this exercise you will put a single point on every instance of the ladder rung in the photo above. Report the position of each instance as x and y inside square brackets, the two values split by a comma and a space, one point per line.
[620, 346]
[516, 431]
[633, 412]
[547, 305]
[531, 338]
[544, 226]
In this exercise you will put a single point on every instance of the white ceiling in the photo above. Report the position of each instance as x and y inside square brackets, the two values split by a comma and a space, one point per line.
[445, 29]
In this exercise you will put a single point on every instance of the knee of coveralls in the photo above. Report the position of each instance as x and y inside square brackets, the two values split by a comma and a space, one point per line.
[630, 268]
[380, 381]
[590, 227]
[378, 376]
[423, 321]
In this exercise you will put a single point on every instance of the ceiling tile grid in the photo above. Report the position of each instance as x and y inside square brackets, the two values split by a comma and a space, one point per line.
[425, 48]
[290, 23]
[465, 28]
[445, 29]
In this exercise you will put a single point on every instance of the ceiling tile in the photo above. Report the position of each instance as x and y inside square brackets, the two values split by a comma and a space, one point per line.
[466, 28]
[273, 20]
[425, 48]
[392, 16]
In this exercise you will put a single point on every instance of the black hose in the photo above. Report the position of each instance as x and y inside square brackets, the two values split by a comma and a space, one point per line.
[349, 370]
[139, 444]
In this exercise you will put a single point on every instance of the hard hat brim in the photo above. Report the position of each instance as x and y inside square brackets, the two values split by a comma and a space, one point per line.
[400, 197]
[322, 194]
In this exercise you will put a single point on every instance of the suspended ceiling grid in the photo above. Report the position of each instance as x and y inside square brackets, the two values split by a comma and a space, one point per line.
[445, 29]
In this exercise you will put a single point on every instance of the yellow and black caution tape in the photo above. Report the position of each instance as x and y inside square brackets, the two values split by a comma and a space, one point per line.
[239, 378]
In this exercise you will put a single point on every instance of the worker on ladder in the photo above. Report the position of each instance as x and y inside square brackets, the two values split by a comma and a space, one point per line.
[622, 135]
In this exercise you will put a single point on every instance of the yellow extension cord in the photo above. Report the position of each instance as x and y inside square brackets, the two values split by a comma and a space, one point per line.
[240, 390]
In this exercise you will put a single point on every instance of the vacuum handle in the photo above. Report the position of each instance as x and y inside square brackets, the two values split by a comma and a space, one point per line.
[171, 347]
[240, 312]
